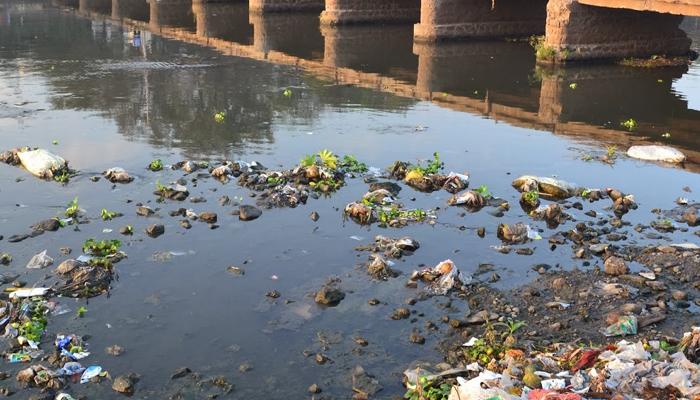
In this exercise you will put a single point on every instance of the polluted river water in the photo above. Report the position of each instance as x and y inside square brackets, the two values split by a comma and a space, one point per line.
[107, 92]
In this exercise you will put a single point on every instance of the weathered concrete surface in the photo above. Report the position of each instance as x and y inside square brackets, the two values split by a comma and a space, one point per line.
[260, 6]
[581, 32]
[370, 11]
[464, 19]
[223, 20]
[678, 7]
[134, 9]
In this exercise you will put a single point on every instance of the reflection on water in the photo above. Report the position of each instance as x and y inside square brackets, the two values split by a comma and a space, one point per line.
[495, 79]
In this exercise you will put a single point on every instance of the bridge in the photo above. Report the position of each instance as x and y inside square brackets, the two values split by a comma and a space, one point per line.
[573, 29]
[337, 54]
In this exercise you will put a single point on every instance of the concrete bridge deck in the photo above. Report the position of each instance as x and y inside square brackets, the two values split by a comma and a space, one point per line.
[551, 107]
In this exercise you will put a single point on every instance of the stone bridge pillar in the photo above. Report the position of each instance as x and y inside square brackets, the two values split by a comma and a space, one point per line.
[365, 48]
[132, 9]
[370, 11]
[221, 20]
[170, 13]
[262, 6]
[580, 32]
[481, 19]
[97, 6]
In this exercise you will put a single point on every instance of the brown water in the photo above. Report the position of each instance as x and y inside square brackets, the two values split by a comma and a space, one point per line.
[109, 100]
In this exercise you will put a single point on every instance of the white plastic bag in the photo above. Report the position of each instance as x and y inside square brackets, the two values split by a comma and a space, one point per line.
[41, 260]
[41, 163]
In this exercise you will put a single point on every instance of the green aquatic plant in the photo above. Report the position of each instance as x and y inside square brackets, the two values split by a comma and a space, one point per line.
[328, 159]
[36, 322]
[483, 190]
[630, 124]
[62, 176]
[351, 164]
[531, 197]
[72, 209]
[275, 180]
[155, 165]
[81, 312]
[428, 390]
[220, 117]
[326, 185]
[287, 93]
[308, 160]
[611, 151]
[542, 51]
[386, 215]
[108, 215]
[573, 86]
[101, 248]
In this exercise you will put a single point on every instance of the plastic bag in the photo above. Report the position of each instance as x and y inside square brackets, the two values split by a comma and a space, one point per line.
[32, 292]
[41, 163]
[91, 372]
[40, 260]
[626, 325]
[483, 387]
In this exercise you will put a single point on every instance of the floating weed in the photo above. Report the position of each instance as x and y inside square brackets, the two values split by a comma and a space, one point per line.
[666, 135]
[155, 165]
[220, 117]
[433, 167]
[328, 159]
[101, 248]
[81, 312]
[630, 124]
[72, 209]
[108, 215]
[573, 86]
[351, 164]
[62, 176]
[287, 93]
[484, 191]
[587, 157]
[611, 151]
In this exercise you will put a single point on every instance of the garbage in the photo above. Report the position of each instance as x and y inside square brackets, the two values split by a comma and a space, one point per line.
[379, 268]
[656, 153]
[469, 199]
[483, 387]
[441, 278]
[32, 292]
[42, 163]
[389, 247]
[90, 373]
[117, 175]
[546, 187]
[517, 233]
[71, 346]
[40, 260]
[173, 192]
[456, 182]
[625, 325]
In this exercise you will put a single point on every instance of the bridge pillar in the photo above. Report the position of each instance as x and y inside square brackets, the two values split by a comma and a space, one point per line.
[339, 12]
[295, 34]
[132, 9]
[481, 19]
[580, 32]
[365, 47]
[263, 6]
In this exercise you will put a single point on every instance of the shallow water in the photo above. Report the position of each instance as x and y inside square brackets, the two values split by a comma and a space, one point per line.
[82, 81]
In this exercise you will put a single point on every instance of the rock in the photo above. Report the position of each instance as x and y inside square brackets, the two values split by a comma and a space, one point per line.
[26, 375]
[615, 266]
[631, 308]
[273, 294]
[321, 358]
[401, 313]
[17, 238]
[124, 385]
[248, 213]
[364, 384]
[144, 211]
[67, 266]
[50, 225]
[314, 216]
[235, 270]
[690, 216]
[469, 199]
[361, 341]
[198, 199]
[546, 187]
[314, 389]
[329, 296]
[679, 295]
[155, 230]
[378, 268]
[656, 153]
[481, 232]
[126, 230]
[224, 200]
[373, 302]
[208, 217]
[391, 187]
[180, 372]
[117, 175]
[245, 367]
[558, 283]
[185, 224]
[114, 350]
[416, 338]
